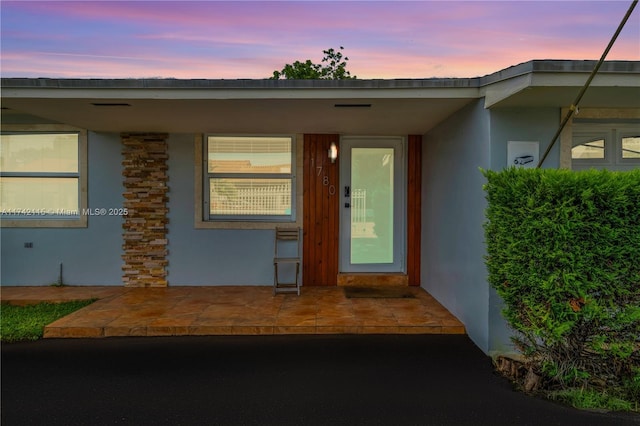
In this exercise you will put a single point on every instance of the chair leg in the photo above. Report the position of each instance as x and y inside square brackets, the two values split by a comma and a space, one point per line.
[287, 287]
[275, 278]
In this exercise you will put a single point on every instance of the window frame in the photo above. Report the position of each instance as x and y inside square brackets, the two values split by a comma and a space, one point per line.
[592, 135]
[52, 221]
[203, 217]
[626, 133]
[612, 132]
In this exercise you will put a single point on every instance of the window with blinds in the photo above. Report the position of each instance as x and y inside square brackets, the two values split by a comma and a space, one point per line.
[249, 178]
[39, 175]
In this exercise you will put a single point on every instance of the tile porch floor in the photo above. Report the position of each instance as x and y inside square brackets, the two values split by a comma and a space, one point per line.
[226, 310]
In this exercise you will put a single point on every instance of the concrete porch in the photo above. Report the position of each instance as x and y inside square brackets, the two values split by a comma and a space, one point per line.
[236, 310]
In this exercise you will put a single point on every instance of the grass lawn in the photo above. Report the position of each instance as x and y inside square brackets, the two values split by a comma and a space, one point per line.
[19, 323]
[589, 399]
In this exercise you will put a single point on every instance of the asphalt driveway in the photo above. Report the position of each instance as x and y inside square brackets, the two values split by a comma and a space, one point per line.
[268, 380]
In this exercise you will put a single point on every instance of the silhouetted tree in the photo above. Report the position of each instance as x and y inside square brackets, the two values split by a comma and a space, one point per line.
[333, 67]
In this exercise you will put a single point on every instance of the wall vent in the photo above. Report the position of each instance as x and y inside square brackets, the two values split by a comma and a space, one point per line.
[110, 104]
[352, 105]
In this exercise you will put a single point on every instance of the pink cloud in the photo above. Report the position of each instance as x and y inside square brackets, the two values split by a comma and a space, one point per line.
[251, 39]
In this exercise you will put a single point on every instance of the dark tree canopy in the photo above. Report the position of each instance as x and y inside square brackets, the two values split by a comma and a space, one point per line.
[333, 67]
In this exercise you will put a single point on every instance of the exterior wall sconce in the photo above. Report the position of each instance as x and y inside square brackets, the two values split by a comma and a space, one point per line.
[333, 152]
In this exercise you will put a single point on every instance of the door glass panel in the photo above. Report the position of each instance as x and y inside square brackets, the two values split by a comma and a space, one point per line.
[372, 190]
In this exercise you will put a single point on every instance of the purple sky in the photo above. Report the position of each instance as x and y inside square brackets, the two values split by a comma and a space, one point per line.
[243, 39]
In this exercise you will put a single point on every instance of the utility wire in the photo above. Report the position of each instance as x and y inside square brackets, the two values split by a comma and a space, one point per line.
[574, 106]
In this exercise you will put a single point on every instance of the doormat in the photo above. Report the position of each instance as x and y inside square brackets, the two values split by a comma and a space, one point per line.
[353, 292]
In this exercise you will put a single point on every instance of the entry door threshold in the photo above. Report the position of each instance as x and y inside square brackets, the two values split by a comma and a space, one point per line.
[373, 279]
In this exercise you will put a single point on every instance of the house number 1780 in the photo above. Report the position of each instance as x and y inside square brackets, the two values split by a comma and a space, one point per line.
[327, 182]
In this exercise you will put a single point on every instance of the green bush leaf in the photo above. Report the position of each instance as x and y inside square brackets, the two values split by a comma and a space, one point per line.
[563, 252]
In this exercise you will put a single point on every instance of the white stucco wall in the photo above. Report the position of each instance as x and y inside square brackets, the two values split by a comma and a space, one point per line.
[209, 256]
[453, 205]
[519, 124]
[91, 255]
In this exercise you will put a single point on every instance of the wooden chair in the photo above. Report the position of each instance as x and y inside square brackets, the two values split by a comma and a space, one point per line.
[286, 241]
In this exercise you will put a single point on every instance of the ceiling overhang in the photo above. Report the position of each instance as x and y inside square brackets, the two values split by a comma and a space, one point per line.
[375, 107]
[559, 90]
[368, 111]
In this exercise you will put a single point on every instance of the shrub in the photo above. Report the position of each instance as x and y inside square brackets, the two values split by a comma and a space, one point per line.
[563, 252]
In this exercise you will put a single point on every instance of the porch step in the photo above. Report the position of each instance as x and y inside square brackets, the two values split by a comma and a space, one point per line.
[373, 279]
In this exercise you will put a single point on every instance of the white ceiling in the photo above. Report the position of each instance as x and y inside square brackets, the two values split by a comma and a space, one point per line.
[383, 117]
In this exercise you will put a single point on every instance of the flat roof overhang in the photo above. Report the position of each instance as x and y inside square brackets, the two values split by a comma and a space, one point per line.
[364, 111]
[375, 107]
[560, 90]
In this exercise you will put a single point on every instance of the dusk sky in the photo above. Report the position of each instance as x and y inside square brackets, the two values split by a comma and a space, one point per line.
[244, 39]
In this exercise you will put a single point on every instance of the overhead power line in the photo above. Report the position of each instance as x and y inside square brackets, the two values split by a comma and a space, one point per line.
[574, 106]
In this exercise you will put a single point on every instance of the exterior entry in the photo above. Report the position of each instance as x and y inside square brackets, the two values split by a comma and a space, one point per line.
[339, 240]
[372, 205]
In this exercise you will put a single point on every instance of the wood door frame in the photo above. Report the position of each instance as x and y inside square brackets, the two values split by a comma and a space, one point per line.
[321, 212]
[414, 208]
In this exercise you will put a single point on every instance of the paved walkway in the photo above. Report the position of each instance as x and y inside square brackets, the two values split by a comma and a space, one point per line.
[236, 310]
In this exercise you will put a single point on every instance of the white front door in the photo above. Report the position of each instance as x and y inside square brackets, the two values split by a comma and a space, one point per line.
[372, 216]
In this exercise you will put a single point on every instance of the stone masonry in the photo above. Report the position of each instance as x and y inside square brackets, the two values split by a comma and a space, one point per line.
[145, 198]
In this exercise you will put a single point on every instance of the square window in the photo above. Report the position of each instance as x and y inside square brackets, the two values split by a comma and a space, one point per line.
[42, 176]
[249, 178]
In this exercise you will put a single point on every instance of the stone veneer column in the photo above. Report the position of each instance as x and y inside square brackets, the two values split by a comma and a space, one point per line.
[145, 198]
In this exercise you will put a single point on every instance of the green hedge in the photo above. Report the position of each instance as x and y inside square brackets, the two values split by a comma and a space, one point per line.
[563, 252]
